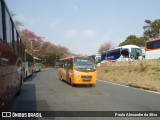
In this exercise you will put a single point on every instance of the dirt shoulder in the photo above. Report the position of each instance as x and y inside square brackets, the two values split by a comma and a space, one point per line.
[141, 75]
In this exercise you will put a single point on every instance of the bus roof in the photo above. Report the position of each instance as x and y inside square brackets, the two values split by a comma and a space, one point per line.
[113, 49]
[156, 39]
[36, 58]
[129, 46]
[72, 57]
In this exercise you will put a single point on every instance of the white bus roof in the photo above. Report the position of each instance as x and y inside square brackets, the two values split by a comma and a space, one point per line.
[128, 46]
[36, 58]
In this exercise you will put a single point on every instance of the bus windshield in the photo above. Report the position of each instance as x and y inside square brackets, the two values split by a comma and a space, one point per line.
[84, 64]
[136, 52]
[153, 45]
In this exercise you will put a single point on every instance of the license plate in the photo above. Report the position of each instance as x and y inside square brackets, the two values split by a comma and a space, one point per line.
[87, 79]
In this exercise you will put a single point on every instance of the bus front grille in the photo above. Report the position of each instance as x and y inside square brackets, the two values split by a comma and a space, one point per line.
[86, 78]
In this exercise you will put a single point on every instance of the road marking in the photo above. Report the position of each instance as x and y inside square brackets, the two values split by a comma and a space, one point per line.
[128, 86]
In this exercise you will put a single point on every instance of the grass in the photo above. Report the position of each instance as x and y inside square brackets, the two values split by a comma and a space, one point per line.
[140, 75]
[156, 69]
[106, 71]
[129, 71]
[143, 67]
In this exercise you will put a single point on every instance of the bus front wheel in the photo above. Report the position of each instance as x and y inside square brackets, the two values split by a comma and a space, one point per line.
[71, 83]
[60, 78]
[91, 85]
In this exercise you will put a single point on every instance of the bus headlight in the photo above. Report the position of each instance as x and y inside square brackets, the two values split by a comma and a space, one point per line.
[76, 73]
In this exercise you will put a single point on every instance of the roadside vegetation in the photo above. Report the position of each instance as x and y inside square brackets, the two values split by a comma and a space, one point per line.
[140, 76]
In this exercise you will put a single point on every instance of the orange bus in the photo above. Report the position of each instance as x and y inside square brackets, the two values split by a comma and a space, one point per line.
[152, 49]
[11, 57]
[78, 70]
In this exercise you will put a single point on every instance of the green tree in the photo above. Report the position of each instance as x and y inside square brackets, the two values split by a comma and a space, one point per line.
[46, 51]
[152, 28]
[134, 40]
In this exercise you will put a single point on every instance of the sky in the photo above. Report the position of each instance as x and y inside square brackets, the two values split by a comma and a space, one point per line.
[83, 25]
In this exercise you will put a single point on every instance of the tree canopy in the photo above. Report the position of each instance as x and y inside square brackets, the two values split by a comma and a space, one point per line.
[134, 40]
[44, 50]
[152, 28]
[47, 51]
[105, 46]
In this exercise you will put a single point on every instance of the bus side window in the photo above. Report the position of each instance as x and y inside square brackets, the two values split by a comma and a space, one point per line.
[17, 42]
[62, 64]
[8, 28]
[70, 64]
[65, 64]
[1, 25]
[12, 24]
[15, 39]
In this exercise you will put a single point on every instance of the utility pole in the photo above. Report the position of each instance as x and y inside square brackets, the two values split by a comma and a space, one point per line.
[45, 63]
[31, 47]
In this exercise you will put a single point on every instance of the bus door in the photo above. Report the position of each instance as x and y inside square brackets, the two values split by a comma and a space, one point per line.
[67, 71]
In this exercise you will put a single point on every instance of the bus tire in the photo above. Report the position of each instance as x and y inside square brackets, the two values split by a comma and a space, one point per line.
[32, 73]
[91, 85]
[60, 78]
[71, 82]
[26, 74]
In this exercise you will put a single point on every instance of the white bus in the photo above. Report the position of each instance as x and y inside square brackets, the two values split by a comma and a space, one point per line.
[37, 64]
[122, 53]
[96, 58]
[28, 64]
[152, 49]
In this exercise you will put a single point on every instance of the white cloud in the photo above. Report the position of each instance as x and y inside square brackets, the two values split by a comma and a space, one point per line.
[55, 23]
[70, 33]
[89, 33]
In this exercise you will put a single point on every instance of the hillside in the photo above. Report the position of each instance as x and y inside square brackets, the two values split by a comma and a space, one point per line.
[140, 74]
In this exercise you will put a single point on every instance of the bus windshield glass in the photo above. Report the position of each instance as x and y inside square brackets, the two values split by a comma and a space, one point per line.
[136, 52]
[84, 64]
[153, 45]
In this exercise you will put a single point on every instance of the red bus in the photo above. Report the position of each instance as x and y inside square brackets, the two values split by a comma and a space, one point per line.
[11, 57]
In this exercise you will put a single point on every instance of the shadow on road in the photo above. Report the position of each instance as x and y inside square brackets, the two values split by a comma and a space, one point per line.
[28, 100]
[30, 78]
[78, 86]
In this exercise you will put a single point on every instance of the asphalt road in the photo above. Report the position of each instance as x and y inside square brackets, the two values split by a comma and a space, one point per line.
[45, 92]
